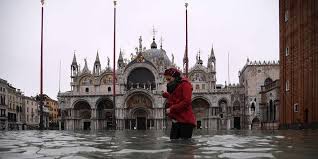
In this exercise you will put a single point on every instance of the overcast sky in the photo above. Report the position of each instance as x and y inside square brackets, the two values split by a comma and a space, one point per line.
[244, 28]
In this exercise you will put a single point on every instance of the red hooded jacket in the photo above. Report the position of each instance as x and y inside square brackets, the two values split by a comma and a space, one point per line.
[179, 102]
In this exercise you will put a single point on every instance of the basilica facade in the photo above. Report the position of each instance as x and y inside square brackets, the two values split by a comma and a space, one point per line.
[139, 104]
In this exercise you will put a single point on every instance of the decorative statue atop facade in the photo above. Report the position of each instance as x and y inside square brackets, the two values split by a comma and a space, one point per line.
[172, 59]
[108, 62]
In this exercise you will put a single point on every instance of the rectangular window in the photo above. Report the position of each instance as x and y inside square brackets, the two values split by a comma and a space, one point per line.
[287, 51]
[27, 109]
[287, 85]
[286, 16]
[197, 86]
[296, 107]
[203, 86]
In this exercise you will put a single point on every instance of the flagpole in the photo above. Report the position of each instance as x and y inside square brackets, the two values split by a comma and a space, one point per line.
[41, 73]
[114, 65]
[187, 59]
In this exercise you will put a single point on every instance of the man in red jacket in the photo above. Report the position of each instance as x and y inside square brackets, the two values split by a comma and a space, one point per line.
[179, 105]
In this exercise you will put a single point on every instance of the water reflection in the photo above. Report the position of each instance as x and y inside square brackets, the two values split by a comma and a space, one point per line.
[156, 144]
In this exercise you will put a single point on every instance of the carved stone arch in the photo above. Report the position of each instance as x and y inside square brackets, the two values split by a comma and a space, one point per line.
[102, 100]
[80, 100]
[139, 99]
[199, 75]
[82, 109]
[87, 78]
[136, 91]
[105, 109]
[200, 106]
[204, 98]
[134, 112]
[105, 78]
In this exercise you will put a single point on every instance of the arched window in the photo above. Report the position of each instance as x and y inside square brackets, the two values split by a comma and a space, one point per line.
[268, 81]
[253, 107]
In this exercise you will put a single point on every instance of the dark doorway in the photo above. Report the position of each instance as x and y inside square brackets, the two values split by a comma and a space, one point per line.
[198, 124]
[237, 122]
[87, 125]
[306, 116]
[141, 123]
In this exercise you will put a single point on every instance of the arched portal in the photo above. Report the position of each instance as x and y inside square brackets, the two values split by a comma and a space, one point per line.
[255, 123]
[141, 78]
[140, 114]
[201, 110]
[82, 112]
[105, 113]
[139, 106]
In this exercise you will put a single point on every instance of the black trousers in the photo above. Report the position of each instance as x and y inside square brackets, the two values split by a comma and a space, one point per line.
[181, 130]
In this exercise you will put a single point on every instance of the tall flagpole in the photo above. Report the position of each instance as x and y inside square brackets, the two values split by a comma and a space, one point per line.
[187, 59]
[41, 73]
[60, 77]
[228, 67]
[114, 65]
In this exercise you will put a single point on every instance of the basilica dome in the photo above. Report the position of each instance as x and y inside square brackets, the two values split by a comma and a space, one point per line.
[157, 56]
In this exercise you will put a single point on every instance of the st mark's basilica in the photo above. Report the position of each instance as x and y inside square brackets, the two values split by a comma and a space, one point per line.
[139, 103]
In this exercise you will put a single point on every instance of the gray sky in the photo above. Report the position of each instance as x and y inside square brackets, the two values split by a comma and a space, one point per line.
[245, 28]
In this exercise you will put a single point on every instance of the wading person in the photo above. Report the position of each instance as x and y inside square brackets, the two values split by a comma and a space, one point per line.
[179, 107]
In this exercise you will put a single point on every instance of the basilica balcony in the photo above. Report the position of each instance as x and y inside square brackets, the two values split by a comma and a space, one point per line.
[200, 91]
[148, 86]
[270, 86]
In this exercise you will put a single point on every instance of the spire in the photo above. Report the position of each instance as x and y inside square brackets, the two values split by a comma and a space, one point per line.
[212, 53]
[199, 61]
[120, 61]
[74, 59]
[161, 42]
[140, 44]
[85, 69]
[97, 58]
[153, 44]
[120, 56]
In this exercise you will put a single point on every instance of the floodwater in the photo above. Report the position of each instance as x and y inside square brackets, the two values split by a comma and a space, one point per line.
[135, 144]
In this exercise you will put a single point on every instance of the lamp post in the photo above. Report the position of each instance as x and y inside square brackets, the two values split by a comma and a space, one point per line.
[114, 65]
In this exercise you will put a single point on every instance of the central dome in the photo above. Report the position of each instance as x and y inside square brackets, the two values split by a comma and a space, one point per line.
[155, 55]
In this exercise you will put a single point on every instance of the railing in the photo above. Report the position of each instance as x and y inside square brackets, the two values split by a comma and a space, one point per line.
[270, 86]
[149, 86]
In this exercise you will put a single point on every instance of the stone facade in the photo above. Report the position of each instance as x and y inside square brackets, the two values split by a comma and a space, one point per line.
[253, 76]
[19, 112]
[139, 84]
[30, 113]
[53, 110]
[269, 105]
[11, 107]
[3, 104]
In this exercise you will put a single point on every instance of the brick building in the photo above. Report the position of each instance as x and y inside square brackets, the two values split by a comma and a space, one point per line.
[298, 25]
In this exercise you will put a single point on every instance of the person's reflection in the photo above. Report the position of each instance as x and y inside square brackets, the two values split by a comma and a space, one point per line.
[182, 149]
